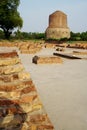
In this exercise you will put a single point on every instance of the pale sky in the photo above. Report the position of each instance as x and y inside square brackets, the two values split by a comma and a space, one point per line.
[35, 14]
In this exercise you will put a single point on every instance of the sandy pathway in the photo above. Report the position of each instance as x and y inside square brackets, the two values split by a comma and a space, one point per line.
[63, 90]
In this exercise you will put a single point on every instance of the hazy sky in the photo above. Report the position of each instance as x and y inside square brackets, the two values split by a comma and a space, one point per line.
[35, 14]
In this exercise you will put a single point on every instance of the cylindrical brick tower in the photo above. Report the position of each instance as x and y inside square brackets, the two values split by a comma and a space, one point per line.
[57, 28]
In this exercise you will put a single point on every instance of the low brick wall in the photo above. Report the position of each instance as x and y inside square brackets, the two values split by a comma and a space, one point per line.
[24, 47]
[30, 48]
[73, 45]
[20, 104]
[78, 45]
[80, 52]
[46, 60]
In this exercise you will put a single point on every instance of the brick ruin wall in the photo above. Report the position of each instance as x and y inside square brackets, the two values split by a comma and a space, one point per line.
[20, 104]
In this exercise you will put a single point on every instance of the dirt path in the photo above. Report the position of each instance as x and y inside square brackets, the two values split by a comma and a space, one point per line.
[63, 90]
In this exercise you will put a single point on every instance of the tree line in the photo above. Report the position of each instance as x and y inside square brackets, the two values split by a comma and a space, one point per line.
[78, 36]
[36, 35]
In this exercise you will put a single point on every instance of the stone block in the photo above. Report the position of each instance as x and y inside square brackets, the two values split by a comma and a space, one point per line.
[11, 54]
[11, 69]
[39, 118]
[46, 127]
[8, 87]
[9, 61]
[46, 60]
[28, 90]
[48, 45]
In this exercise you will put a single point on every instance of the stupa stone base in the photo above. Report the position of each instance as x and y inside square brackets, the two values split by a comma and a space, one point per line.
[57, 33]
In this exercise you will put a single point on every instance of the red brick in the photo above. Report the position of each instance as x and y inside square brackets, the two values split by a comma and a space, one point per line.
[8, 54]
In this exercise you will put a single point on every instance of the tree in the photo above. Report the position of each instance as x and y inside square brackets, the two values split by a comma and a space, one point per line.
[84, 36]
[1, 34]
[9, 16]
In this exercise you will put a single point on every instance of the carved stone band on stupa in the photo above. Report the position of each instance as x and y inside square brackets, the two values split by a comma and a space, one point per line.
[57, 28]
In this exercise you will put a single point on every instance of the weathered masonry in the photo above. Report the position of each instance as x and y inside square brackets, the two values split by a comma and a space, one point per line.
[57, 28]
[20, 105]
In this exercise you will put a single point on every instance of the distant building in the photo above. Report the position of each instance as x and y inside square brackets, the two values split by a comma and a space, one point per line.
[57, 28]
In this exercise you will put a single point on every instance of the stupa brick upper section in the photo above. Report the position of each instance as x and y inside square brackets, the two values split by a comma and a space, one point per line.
[58, 28]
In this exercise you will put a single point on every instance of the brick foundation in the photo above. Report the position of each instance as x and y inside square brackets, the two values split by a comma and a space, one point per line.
[20, 105]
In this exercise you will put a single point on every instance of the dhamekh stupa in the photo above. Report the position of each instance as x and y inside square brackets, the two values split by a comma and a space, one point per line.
[57, 28]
